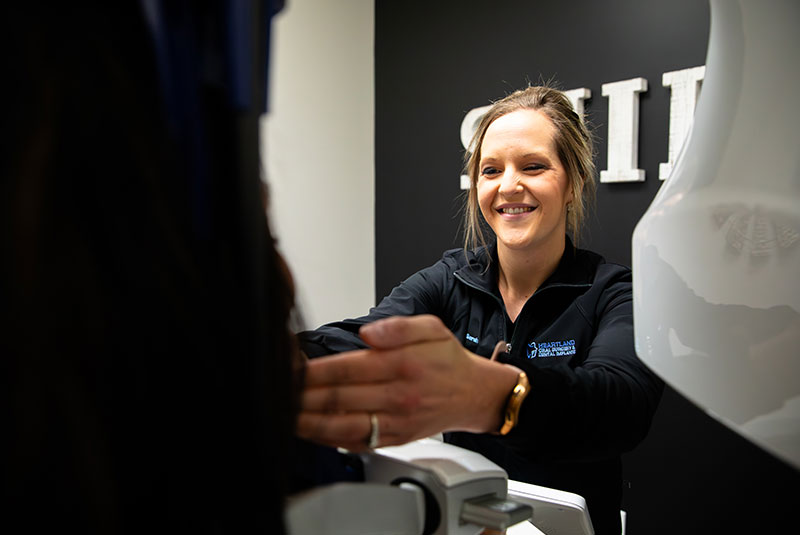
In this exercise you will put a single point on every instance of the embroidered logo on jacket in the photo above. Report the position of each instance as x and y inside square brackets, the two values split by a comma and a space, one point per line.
[561, 348]
[471, 338]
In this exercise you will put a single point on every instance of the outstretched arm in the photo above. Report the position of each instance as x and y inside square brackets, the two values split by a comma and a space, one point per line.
[417, 380]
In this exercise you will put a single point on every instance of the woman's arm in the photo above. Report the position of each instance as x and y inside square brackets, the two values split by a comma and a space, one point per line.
[418, 380]
[419, 294]
[600, 408]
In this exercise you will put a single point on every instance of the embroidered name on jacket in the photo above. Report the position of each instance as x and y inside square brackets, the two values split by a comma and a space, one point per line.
[561, 348]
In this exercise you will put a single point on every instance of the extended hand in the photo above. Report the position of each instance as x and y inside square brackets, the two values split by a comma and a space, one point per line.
[417, 380]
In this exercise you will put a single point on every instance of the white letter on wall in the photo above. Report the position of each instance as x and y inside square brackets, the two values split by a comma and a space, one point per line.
[576, 97]
[468, 127]
[685, 87]
[623, 130]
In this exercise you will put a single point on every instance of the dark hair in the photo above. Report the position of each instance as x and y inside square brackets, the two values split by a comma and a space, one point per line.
[147, 379]
[573, 142]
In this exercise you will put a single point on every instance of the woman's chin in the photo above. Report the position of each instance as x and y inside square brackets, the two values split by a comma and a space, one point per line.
[516, 244]
[529, 242]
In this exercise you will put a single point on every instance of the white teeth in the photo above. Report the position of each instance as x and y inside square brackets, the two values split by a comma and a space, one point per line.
[516, 210]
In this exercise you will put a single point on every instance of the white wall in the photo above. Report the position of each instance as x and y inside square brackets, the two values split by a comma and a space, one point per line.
[318, 145]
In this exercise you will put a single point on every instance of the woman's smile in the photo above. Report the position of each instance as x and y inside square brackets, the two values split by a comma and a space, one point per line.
[513, 212]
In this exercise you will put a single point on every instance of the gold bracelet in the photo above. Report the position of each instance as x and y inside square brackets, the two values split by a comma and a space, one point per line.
[515, 399]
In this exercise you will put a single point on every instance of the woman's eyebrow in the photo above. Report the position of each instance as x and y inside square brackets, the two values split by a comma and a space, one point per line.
[535, 154]
[541, 154]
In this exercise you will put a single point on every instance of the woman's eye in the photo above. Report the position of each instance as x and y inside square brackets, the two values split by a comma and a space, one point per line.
[534, 167]
[489, 171]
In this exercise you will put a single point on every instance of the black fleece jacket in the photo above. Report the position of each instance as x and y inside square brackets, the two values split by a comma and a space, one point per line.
[591, 398]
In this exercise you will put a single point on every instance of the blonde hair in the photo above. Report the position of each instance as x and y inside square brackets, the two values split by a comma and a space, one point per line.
[574, 146]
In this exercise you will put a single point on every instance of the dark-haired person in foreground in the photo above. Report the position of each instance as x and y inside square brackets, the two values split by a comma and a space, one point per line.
[145, 358]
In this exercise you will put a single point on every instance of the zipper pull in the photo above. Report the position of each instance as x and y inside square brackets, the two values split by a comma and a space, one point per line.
[500, 347]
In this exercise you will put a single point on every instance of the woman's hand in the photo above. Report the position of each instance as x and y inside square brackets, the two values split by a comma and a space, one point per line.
[417, 380]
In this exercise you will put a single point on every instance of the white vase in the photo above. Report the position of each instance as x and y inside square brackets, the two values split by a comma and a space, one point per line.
[716, 257]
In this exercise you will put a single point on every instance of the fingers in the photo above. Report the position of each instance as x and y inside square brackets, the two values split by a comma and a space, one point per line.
[394, 380]
[347, 430]
[365, 366]
[405, 379]
[348, 368]
[360, 397]
[351, 431]
[399, 331]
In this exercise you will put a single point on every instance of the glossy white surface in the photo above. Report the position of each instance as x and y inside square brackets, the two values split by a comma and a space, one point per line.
[555, 512]
[716, 258]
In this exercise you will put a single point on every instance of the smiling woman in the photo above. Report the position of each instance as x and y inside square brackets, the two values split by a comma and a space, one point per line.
[568, 395]
[523, 191]
[556, 136]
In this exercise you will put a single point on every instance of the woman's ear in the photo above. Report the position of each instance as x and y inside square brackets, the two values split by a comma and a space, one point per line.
[570, 197]
[576, 191]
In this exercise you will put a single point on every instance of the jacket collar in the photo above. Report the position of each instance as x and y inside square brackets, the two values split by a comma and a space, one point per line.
[576, 268]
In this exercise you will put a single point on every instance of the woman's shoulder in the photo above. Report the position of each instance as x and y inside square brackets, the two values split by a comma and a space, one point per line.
[459, 258]
[610, 281]
[441, 271]
[597, 263]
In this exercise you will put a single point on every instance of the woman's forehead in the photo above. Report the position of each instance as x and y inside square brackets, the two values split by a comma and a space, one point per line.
[524, 128]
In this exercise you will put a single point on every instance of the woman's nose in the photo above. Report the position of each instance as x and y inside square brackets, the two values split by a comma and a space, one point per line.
[509, 183]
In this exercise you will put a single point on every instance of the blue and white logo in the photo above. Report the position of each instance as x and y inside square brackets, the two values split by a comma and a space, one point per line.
[560, 348]
[472, 339]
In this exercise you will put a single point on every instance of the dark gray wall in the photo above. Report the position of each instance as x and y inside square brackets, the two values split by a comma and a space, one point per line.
[434, 61]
